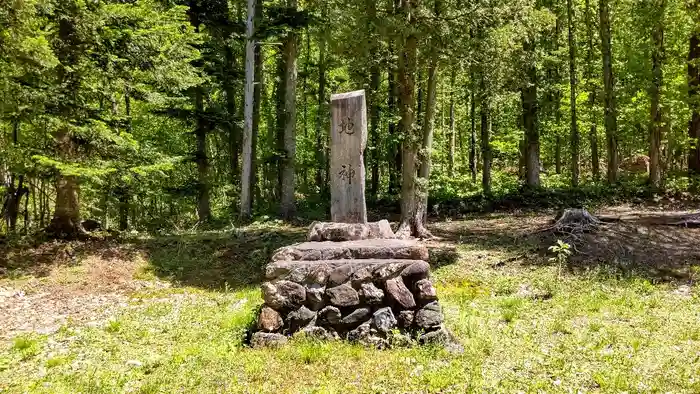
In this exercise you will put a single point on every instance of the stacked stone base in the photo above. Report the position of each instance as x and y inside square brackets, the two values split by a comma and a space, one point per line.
[372, 291]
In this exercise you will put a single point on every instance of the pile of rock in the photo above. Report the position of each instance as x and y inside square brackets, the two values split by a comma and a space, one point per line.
[363, 286]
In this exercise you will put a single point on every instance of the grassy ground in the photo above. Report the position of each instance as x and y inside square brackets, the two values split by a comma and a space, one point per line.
[173, 313]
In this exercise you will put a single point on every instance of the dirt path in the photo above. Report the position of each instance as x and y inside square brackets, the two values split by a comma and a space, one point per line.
[79, 285]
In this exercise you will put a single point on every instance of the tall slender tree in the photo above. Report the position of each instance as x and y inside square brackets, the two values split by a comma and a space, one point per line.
[452, 136]
[656, 122]
[530, 118]
[247, 164]
[610, 101]
[593, 131]
[486, 155]
[575, 138]
[288, 183]
[694, 93]
[411, 223]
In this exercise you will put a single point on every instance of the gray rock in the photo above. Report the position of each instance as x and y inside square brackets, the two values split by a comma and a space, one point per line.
[340, 275]
[393, 249]
[383, 320]
[362, 275]
[300, 317]
[319, 274]
[298, 274]
[438, 337]
[318, 333]
[417, 270]
[277, 270]
[388, 271]
[356, 317]
[405, 319]
[398, 291]
[283, 294]
[360, 333]
[377, 342]
[314, 296]
[526, 291]
[266, 339]
[381, 230]
[343, 296]
[329, 316]
[443, 337]
[426, 291]
[429, 316]
[337, 232]
[269, 320]
[371, 294]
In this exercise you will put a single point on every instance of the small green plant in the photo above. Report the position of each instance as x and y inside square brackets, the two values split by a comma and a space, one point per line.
[22, 343]
[562, 252]
[56, 361]
[113, 326]
[510, 308]
[26, 346]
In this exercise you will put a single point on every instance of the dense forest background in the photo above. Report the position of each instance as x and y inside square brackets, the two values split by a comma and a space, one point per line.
[161, 114]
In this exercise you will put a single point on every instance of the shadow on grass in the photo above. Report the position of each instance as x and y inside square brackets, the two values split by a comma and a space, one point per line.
[645, 247]
[217, 260]
[38, 258]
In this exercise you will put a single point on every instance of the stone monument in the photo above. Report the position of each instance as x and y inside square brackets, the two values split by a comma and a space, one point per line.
[347, 166]
[352, 279]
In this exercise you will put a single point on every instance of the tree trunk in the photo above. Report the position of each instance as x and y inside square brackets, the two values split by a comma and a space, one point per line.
[66, 219]
[530, 123]
[374, 129]
[11, 206]
[411, 223]
[453, 137]
[656, 121]
[203, 207]
[320, 114]
[472, 135]
[247, 170]
[395, 160]
[305, 108]
[486, 155]
[609, 90]
[694, 99]
[233, 135]
[375, 108]
[557, 150]
[593, 131]
[289, 49]
[419, 104]
[558, 95]
[257, 102]
[423, 184]
[122, 191]
[281, 117]
[575, 138]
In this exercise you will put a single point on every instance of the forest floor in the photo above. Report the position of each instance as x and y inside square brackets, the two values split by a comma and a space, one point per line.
[169, 314]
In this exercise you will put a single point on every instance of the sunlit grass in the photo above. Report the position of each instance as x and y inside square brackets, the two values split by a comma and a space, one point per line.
[592, 333]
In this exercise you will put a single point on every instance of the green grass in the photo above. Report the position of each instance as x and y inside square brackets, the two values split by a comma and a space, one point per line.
[594, 332]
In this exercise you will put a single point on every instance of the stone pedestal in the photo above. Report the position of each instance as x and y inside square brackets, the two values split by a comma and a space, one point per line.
[375, 291]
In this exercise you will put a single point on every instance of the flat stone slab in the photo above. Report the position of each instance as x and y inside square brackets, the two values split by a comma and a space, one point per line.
[338, 232]
[333, 272]
[348, 250]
